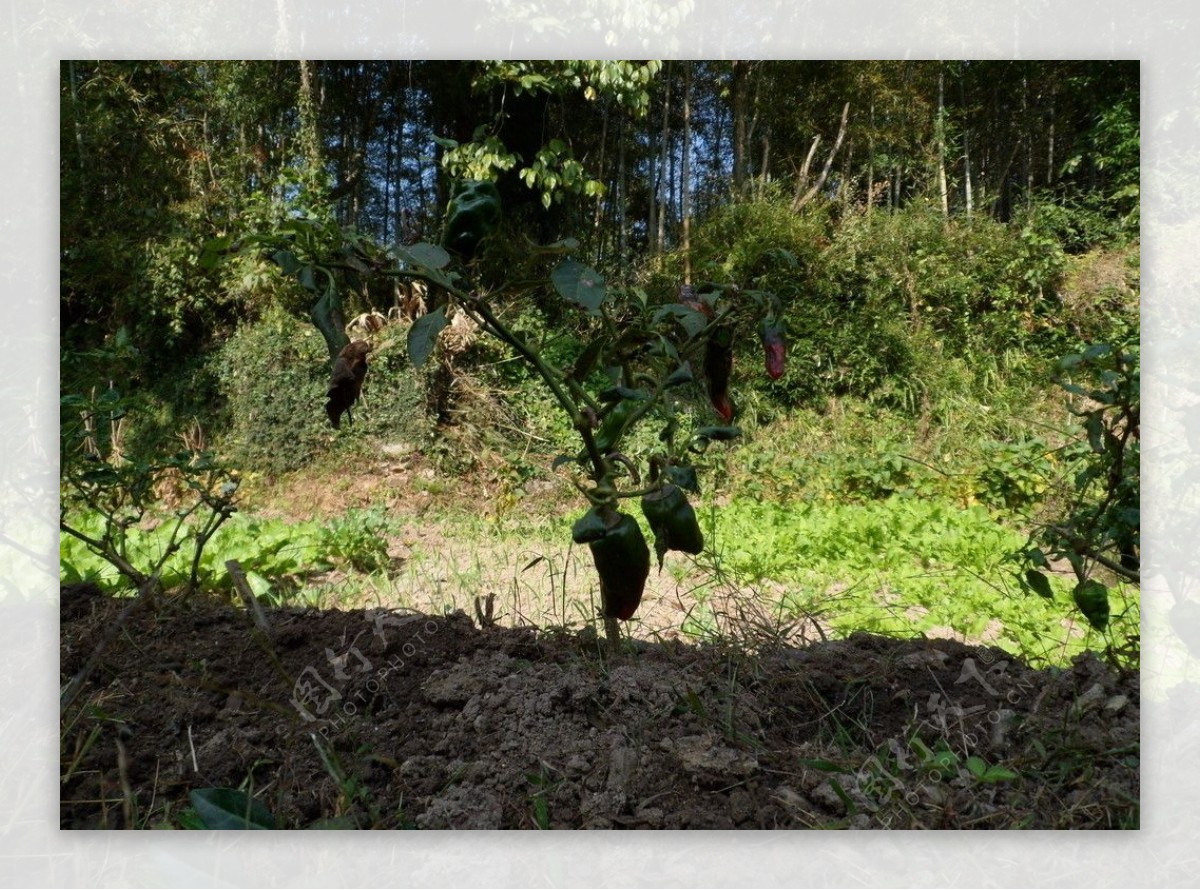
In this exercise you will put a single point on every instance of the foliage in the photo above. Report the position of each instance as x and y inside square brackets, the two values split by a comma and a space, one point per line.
[903, 309]
[276, 556]
[358, 539]
[229, 808]
[117, 490]
[900, 565]
[273, 375]
[1100, 530]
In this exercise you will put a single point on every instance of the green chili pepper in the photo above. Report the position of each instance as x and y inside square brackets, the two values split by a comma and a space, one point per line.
[718, 365]
[673, 521]
[473, 214]
[621, 556]
[614, 424]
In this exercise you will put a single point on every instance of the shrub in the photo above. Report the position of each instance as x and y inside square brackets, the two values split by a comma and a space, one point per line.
[273, 375]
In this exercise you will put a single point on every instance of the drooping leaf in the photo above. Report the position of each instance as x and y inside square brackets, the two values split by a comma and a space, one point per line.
[431, 256]
[1039, 583]
[587, 359]
[718, 433]
[308, 278]
[691, 320]
[1092, 599]
[681, 375]
[579, 285]
[620, 393]
[228, 808]
[422, 336]
[563, 459]
[286, 261]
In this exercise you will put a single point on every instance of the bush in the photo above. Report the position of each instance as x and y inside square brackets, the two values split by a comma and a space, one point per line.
[273, 376]
[877, 305]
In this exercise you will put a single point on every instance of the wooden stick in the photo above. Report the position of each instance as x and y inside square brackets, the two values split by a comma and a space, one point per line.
[243, 587]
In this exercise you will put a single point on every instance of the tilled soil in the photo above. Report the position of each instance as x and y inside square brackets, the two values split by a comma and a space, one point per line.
[386, 719]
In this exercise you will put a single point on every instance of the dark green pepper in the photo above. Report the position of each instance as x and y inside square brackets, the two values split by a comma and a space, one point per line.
[473, 214]
[673, 521]
[718, 365]
[613, 426]
[621, 556]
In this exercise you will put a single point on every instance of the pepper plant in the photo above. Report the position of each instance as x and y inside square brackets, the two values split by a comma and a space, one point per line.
[636, 365]
[1101, 528]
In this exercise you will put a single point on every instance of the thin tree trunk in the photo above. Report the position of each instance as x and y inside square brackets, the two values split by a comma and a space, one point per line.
[967, 175]
[73, 76]
[804, 175]
[819, 184]
[664, 179]
[738, 101]
[1050, 140]
[387, 182]
[622, 239]
[1028, 139]
[764, 176]
[685, 185]
[598, 215]
[943, 190]
[309, 134]
[871, 164]
[967, 185]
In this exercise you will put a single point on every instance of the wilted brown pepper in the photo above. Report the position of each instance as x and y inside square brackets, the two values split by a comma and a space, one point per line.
[346, 381]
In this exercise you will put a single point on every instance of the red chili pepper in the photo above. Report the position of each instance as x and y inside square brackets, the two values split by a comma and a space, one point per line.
[774, 347]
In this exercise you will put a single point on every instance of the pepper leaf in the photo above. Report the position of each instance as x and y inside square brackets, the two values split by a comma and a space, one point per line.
[1038, 583]
[1092, 599]
[579, 285]
[422, 336]
[431, 256]
[228, 808]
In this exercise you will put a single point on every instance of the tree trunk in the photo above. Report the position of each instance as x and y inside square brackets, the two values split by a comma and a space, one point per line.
[664, 178]
[74, 78]
[1050, 140]
[940, 126]
[967, 185]
[598, 215]
[738, 97]
[801, 200]
[871, 164]
[622, 239]
[310, 138]
[967, 175]
[685, 185]
[764, 176]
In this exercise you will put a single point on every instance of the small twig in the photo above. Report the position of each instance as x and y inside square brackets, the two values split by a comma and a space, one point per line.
[126, 788]
[243, 587]
[192, 747]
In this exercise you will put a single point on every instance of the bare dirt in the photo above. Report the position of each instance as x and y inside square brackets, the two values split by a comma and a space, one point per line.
[388, 719]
